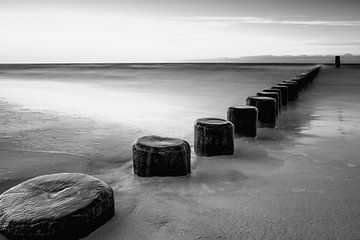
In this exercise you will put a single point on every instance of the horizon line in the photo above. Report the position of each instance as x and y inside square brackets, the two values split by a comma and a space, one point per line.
[208, 60]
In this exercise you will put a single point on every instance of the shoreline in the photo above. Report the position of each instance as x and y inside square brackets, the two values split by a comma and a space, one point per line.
[265, 190]
[298, 181]
[7, 65]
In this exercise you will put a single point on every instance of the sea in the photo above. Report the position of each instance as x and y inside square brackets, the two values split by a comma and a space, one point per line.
[297, 181]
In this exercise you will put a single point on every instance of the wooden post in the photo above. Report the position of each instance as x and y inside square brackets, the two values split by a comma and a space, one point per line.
[337, 61]
[292, 90]
[159, 156]
[273, 95]
[284, 93]
[56, 206]
[278, 91]
[213, 136]
[244, 119]
[266, 110]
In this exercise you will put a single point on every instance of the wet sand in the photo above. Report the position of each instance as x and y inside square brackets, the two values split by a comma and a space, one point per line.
[299, 181]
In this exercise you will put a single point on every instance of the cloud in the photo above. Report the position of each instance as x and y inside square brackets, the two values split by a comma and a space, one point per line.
[323, 23]
[258, 20]
[355, 43]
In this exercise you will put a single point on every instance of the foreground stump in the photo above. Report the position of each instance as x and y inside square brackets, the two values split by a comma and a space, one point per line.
[244, 119]
[159, 156]
[284, 93]
[266, 110]
[213, 136]
[55, 207]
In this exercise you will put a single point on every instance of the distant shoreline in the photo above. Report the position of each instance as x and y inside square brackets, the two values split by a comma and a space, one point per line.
[166, 63]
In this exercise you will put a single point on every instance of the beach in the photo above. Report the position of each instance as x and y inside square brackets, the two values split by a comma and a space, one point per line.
[298, 181]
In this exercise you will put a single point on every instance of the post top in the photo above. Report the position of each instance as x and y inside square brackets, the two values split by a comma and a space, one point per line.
[159, 142]
[279, 87]
[242, 107]
[212, 122]
[51, 198]
[286, 83]
[261, 98]
[268, 93]
[270, 90]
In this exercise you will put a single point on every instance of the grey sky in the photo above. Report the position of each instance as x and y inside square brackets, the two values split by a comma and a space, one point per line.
[162, 30]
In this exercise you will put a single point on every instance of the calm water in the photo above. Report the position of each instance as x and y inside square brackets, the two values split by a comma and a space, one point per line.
[90, 115]
[164, 98]
[299, 181]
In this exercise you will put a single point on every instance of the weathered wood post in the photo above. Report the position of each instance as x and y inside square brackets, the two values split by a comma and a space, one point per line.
[159, 156]
[213, 136]
[272, 95]
[284, 93]
[337, 61]
[278, 91]
[292, 90]
[300, 82]
[297, 85]
[304, 78]
[266, 110]
[244, 118]
[57, 206]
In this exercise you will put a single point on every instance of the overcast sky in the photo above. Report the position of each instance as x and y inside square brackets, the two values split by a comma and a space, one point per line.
[174, 30]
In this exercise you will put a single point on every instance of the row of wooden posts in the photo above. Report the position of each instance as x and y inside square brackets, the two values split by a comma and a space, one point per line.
[159, 156]
[72, 205]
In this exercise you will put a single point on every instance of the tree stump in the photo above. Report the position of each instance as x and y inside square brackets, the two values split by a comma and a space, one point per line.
[244, 119]
[213, 136]
[272, 95]
[292, 90]
[266, 110]
[55, 207]
[284, 93]
[159, 156]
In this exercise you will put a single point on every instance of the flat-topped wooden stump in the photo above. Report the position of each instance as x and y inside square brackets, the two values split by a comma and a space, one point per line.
[298, 88]
[55, 207]
[301, 82]
[292, 90]
[284, 93]
[278, 91]
[244, 118]
[159, 156]
[266, 110]
[213, 136]
[272, 95]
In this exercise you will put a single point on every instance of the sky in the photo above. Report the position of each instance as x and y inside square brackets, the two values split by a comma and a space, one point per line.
[34, 31]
